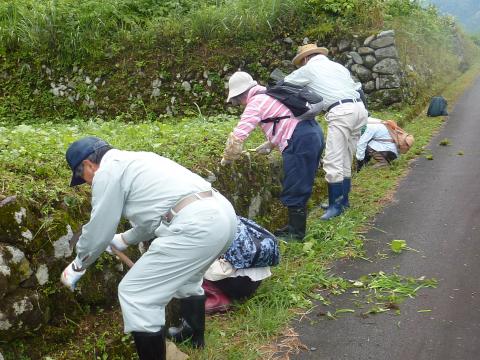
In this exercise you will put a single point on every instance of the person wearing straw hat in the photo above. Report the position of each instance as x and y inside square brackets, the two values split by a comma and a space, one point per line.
[191, 225]
[345, 116]
[300, 142]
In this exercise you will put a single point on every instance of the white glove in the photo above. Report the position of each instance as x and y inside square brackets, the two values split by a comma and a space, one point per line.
[118, 243]
[224, 162]
[71, 275]
[265, 148]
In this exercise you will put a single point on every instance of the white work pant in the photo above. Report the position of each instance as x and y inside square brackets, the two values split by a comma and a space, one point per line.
[174, 265]
[345, 122]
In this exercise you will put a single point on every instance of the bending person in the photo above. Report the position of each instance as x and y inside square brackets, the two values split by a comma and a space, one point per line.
[300, 142]
[377, 143]
[191, 223]
[345, 115]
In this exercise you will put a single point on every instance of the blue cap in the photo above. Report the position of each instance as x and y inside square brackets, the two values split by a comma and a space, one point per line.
[79, 151]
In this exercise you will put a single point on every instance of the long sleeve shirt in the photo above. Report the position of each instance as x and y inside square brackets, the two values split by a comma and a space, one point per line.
[327, 78]
[260, 107]
[139, 186]
[374, 133]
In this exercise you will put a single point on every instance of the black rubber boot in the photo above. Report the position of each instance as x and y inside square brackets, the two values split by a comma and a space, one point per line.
[192, 325]
[295, 229]
[335, 199]
[150, 346]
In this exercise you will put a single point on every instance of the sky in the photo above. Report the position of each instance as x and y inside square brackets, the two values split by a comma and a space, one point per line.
[467, 12]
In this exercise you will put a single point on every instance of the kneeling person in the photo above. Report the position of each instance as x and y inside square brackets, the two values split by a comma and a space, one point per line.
[237, 275]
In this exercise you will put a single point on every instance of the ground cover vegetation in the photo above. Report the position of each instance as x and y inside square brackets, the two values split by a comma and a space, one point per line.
[301, 279]
[144, 59]
[64, 34]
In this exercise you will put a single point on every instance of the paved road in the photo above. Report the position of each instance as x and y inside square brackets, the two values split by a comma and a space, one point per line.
[437, 210]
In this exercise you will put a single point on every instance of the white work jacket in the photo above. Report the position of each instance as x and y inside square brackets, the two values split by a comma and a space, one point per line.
[373, 136]
[139, 186]
[329, 79]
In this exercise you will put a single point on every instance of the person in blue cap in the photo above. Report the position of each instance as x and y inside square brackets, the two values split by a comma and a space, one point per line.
[192, 224]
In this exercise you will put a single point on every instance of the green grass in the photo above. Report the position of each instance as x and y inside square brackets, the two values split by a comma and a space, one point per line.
[445, 142]
[75, 31]
[69, 32]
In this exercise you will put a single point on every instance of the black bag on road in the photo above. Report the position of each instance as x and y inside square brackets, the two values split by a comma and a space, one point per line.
[437, 107]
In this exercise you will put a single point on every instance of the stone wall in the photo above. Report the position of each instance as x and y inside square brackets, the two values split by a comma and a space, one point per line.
[161, 86]
[374, 61]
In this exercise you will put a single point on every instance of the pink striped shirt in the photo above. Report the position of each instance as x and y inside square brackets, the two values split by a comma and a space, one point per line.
[260, 107]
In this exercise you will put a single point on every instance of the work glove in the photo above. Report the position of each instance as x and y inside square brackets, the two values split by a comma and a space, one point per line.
[118, 243]
[233, 149]
[360, 164]
[224, 162]
[265, 148]
[70, 276]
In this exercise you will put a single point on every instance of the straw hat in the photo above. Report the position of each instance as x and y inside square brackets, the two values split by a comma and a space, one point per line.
[239, 83]
[307, 50]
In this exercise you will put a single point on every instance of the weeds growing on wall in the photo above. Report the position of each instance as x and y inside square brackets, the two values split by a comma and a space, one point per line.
[68, 32]
[128, 44]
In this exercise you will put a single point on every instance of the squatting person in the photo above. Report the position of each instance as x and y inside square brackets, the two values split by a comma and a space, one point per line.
[375, 143]
[191, 223]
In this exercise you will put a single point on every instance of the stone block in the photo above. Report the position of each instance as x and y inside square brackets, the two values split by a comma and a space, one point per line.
[387, 82]
[369, 86]
[365, 50]
[356, 57]
[344, 45]
[386, 97]
[382, 42]
[14, 268]
[387, 66]
[368, 40]
[369, 61]
[386, 33]
[387, 52]
[21, 313]
[362, 72]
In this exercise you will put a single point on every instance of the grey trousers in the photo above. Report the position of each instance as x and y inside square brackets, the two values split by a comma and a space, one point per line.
[174, 265]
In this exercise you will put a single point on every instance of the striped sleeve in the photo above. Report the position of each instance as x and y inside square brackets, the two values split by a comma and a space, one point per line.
[249, 120]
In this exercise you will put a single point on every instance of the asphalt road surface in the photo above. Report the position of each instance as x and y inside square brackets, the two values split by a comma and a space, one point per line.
[437, 211]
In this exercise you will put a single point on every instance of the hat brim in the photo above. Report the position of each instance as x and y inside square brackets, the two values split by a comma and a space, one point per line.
[232, 94]
[319, 50]
[76, 180]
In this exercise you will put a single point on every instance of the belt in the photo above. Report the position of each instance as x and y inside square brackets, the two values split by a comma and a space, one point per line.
[339, 102]
[187, 200]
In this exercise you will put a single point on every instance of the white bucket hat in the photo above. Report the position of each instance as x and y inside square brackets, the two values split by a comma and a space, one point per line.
[239, 83]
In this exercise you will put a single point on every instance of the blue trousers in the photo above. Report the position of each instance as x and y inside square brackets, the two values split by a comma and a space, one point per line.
[301, 159]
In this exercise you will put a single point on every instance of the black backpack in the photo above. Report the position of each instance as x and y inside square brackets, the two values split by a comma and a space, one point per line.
[437, 107]
[295, 97]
